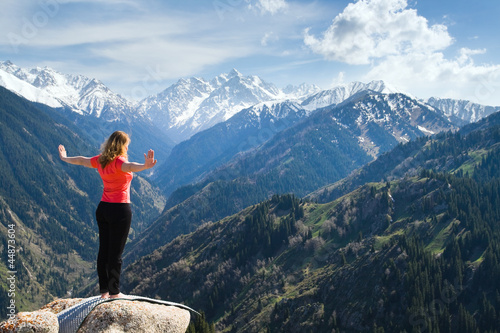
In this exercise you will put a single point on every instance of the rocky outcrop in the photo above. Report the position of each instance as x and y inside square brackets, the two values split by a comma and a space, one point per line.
[28, 322]
[116, 316]
[137, 317]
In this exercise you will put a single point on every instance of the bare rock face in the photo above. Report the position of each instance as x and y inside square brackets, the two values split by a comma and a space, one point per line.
[137, 317]
[109, 317]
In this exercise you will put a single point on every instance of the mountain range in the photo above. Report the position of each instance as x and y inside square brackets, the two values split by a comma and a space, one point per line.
[82, 95]
[251, 127]
[415, 253]
[465, 110]
[181, 110]
[193, 104]
[302, 156]
[396, 191]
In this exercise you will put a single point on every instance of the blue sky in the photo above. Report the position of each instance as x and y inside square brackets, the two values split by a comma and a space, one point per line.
[137, 48]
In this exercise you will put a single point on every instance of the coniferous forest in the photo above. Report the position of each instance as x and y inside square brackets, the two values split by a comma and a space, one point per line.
[416, 253]
[408, 242]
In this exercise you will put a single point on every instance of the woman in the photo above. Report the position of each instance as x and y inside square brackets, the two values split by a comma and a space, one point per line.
[113, 213]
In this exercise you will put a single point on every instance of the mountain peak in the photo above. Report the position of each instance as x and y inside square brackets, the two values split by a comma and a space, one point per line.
[6, 63]
[48, 86]
[233, 73]
[302, 91]
[223, 78]
[384, 87]
[344, 91]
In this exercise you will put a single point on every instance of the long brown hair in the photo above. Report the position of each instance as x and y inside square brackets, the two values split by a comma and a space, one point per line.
[116, 145]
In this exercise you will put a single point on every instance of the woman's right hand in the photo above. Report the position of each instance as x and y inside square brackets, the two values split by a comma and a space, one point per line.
[149, 159]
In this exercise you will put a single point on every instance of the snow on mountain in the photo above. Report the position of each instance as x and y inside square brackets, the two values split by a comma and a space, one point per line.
[381, 120]
[302, 91]
[267, 115]
[341, 93]
[278, 108]
[176, 104]
[83, 95]
[465, 110]
[195, 104]
[26, 90]
[232, 96]
[192, 105]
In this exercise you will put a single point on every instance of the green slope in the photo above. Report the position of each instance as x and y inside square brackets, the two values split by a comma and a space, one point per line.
[50, 204]
[419, 253]
[323, 148]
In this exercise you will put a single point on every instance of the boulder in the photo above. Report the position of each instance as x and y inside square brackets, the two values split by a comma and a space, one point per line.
[116, 316]
[137, 317]
[60, 304]
[32, 322]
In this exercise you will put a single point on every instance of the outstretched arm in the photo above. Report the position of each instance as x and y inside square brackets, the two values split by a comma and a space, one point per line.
[77, 160]
[149, 162]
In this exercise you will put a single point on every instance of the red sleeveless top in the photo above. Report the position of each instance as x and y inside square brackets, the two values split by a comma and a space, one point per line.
[116, 182]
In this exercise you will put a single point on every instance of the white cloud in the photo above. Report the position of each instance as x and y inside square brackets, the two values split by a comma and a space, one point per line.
[427, 75]
[109, 32]
[176, 58]
[271, 6]
[373, 29]
[402, 48]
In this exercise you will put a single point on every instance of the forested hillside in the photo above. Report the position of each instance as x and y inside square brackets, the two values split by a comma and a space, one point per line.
[322, 148]
[418, 253]
[447, 152]
[51, 204]
[211, 148]
[408, 243]
[298, 160]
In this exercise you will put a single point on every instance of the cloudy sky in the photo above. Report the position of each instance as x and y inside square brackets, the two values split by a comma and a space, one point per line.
[444, 48]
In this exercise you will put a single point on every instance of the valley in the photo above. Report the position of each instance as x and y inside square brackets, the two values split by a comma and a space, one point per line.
[352, 209]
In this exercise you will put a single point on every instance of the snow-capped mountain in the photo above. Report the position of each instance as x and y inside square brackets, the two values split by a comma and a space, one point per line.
[181, 110]
[176, 104]
[341, 93]
[302, 91]
[465, 110]
[273, 110]
[381, 120]
[83, 95]
[26, 90]
[195, 104]
[233, 95]
[210, 148]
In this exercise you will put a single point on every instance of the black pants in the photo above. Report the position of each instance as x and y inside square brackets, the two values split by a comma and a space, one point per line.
[114, 221]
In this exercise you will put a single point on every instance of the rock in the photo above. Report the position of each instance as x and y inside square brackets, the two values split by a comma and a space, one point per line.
[137, 317]
[60, 304]
[32, 322]
[109, 317]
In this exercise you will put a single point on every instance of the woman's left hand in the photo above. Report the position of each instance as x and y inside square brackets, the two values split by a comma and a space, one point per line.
[62, 152]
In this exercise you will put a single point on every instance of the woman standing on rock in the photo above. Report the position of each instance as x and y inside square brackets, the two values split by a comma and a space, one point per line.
[113, 213]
